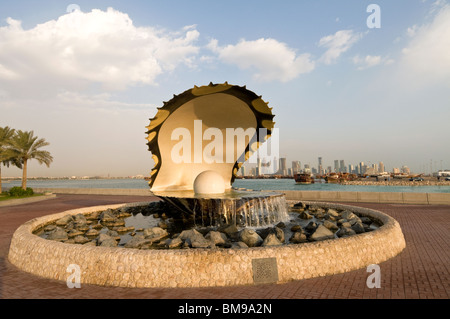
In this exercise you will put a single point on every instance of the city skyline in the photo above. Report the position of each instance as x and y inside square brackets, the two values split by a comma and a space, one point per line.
[88, 75]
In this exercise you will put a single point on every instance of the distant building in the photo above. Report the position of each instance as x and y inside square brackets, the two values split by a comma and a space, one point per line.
[381, 167]
[396, 170]
[242, 170]
[283, 168]
[405, 170]
[351, 169]
[329, 169]
[336, 166]
[320, 167]
[342, 167]
[296, 167]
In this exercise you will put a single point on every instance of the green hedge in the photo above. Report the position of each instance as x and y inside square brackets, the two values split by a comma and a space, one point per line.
[18, 191]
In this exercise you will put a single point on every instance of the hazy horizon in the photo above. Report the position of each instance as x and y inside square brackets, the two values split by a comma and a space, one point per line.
[88, 81]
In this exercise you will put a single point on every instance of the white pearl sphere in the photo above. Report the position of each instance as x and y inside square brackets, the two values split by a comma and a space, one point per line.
[209, 182]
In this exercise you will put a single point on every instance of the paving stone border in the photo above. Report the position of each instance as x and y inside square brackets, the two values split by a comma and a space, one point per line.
[201, 267]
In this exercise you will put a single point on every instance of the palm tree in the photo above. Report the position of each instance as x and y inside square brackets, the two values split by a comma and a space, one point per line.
[25, 146]
[6, 135]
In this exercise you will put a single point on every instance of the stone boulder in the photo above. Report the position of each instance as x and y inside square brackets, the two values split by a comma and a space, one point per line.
[332, 212]
[250, 237]
[239, 244]
[346, 214]
[81, 240]
[58, 234]
[231, 231]
[271, 240]
[321, 233]
[49, 228]
[175, 243]
[305, 215]
[194, 239]
[330, 225]
[216, 237]
[311, 227]
[105, 240]
[136, 242]
[358, 228]
[345, 231]
[298, 237]
[64, 220]
[92, 233]
[155, 233]
[296, 228]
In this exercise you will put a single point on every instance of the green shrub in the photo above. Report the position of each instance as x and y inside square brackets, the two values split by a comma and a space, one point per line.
[18, 191]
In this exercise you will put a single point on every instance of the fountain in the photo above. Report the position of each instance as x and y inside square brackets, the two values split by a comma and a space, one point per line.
[220, 127]
[204, 232]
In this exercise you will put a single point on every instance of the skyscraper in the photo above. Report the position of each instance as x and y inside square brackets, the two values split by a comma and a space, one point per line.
[320, 167]
[336, 166]
[381, 167]
[296, 167]
[342, 167]
[283, 169]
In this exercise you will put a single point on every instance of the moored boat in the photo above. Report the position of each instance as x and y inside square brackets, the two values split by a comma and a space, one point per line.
[303, 178]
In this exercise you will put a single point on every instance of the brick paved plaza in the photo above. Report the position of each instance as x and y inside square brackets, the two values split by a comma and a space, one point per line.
[421, 271]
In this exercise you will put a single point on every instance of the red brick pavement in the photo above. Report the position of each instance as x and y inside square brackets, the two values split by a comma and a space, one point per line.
[421, 271]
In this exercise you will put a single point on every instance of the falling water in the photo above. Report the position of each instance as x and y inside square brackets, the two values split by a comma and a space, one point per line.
[242, 209]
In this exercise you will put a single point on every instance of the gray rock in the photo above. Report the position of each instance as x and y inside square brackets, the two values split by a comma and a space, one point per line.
[58, 234]
[321, 233]
[365, 220]
[239, 244]
[136, 242]
[73, 233]
[216, 237]
[81, 240]
[107, 216]
[346, 214]
[163, 225]
[330, 225]
[194, 238]
[354, 221]
[49, 228]
[79, 219]
[305, 215]
[64, 220]
[103, 237]
[345, 231]
[311, 227]
[346, 225]
[298, 237]
[110, 242]
[250, 238]
[92, 233]
[155, 233]
[93, 216]
[271, 240]
[358, 228]
[175, 243]
[279, 233]
[281, 225]
[332, 212]
[300, 205]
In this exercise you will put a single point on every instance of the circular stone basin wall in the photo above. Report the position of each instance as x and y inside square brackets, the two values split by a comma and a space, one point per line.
[203, 267]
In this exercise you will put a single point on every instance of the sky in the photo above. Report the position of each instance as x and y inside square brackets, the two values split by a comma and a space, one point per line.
[346, 81]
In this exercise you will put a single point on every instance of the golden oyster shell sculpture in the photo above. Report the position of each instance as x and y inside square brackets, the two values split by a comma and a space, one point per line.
[210, 129]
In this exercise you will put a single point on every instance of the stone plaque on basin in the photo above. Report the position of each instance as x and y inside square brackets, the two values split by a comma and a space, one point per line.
[265, 270]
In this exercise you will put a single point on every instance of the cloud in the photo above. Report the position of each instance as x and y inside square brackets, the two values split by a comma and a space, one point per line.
[427, 54]
[270, 59]
[79, 49]
[337, 44]
[370, 61]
